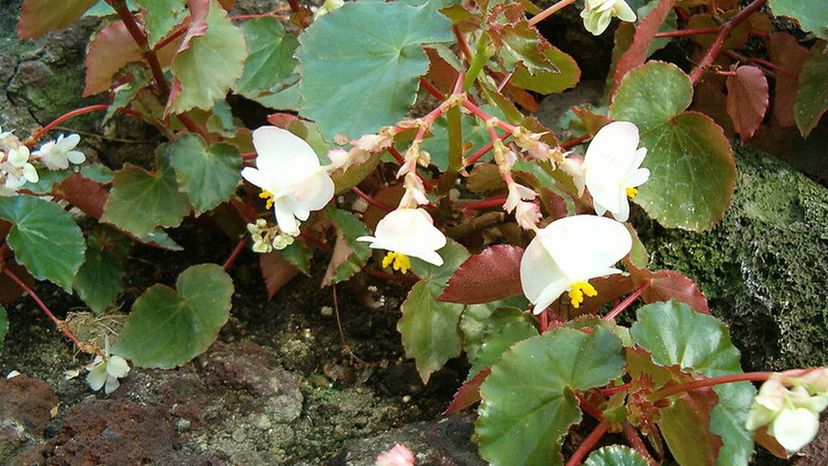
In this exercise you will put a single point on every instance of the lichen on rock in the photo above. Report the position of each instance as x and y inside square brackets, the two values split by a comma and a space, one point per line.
[764, 267]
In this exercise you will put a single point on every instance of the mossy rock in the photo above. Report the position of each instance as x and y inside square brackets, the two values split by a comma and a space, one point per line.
[764, 268]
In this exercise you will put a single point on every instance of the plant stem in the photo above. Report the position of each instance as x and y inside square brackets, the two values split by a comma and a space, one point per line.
[724, 32]
[488, 203]
[626, 303]
[550, 11]
[710, 382]
[140, 38]
[687, 32]
[483, 115]
[614, 390]
[574, 142]
[588, 443]
[77, 112]
[484, 150]
[58, 323]
[635, 441]
[231, 259]
[371, 200]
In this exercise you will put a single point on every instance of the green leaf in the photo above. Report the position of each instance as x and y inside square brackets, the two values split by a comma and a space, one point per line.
[375, 50]
[480, 321]
[566, 76]
[140, 200]
[4, 326]
[161, 16]
[298, 255]
[693, 173]
[208, 174]
[811, 14]
[516, 329]
[474, 132]
[675, 334]
[100, 278]
[269, 56]
[169, 327]
[210, 65]
[103, 9]
[38, 17]
[528, 400]
[812, 96]
[47, 180]
[615, 455]
[44, 238]
[97, 172]
[350, 255]
[429, 329]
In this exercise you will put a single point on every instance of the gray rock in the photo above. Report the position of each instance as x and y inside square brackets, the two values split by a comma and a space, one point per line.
[445, 442]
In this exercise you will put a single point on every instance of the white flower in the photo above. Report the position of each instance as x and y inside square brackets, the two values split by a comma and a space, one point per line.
[17, 168]
[281, 241]
[532, 144]
[792, 415]
[407, 232]
[611, 168]
[527, 214]
[597, 14]
[290, 176]
[574, 167]
[57, 154]
[569, 252]
[327, 7]
[105, 372]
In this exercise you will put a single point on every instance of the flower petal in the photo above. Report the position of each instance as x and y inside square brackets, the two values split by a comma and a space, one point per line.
[795, 428]
[537, 270]
[276, 147]
[585, 246]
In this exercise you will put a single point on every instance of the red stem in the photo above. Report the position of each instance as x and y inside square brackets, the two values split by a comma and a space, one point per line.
[574, 142]
[543, 321]
[193, 126]
[687, 32]
[371, 200]
[140, 38]
[722, 379]
[396, 154]
[59, 323]
[464, 45]
[483, 115]
[590, 408]
[77, 112]
[614, 390]
[431, 89]
[588, 443]
[249, 156]
[488, 203]
[485, 150]
[626, 303]
[637, 443]
[550, 11]
[724, 32]
[231, 259]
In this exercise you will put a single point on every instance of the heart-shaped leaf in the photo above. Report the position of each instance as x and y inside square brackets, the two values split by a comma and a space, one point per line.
[44, 238]
[811, 14]
[169, 327]
[375, 48]
[269, 56]
[693, 173]
[100, 278]
[528, 400]
[208, 174]
[141, 200]
[675, 334]
[350, 255]
[111, 49]
[161, 16]
[487, 276]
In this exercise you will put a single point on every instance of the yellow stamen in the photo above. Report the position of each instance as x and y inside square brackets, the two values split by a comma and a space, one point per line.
[631, 192]
[577, 292]
[269, 196]
[401, 261]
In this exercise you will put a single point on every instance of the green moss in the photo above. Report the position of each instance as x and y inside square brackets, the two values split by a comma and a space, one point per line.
[764, 268]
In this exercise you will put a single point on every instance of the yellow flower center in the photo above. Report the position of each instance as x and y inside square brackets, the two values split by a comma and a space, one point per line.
[269, 196]
[577, 292]
[401, 261]
[631, 192]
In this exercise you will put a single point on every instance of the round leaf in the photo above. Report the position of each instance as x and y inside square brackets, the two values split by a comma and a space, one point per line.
[652, 94]
[361, 64]
[811, 14]
[615, 455]
[528, 400]
[44, 238]
[812, 97]
[270, 56]
[169, 327]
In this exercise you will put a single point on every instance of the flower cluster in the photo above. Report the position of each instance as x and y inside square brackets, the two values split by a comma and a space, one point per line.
[791, 414]
[597, 14]
[104, 372]
[17, 162]
[267, 238]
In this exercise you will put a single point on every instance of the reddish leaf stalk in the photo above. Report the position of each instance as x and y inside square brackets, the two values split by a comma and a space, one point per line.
[371, 200]
[614, 390]
[464, 45]
[574, 142]
[550, 11]
[193, 126]
[588, 443]
[724, 33]
[140, 38]
[231, 259]
[764, 63]
[543, 321]
[635, 441]
[687, 32]
[720, 380]
[248, 156]
[484, 150]
[483, 115]
[58, 323]
[590, 409]
[626, 302]
[77, 112]
[396, 154]
[431, 89]
[488, 203]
